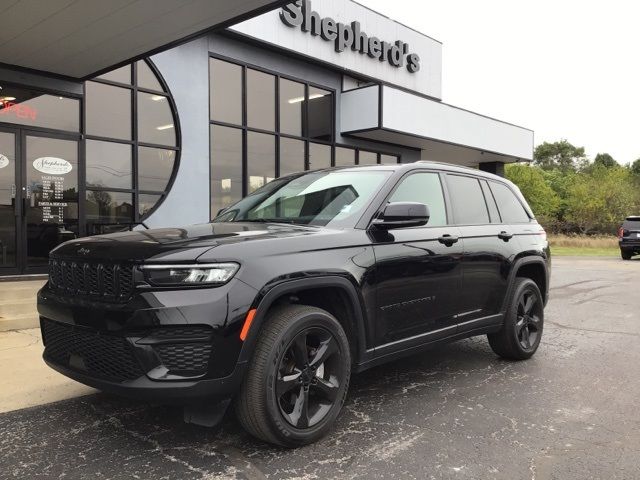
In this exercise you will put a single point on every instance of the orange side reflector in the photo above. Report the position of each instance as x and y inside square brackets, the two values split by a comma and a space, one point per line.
[247, 324]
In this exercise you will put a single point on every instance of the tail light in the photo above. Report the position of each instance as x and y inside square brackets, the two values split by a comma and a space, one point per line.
[620, 232]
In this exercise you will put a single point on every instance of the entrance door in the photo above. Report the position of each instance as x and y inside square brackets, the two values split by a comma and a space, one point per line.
[9, 202]
[38, 198]
[50, 192]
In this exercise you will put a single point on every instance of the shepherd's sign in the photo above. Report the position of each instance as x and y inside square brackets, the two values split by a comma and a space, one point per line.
[344, 36]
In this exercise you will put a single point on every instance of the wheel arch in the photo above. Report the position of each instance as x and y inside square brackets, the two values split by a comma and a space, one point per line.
[333, 293]
[534, 268]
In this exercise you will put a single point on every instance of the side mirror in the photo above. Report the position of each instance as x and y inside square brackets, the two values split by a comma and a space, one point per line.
[402, 215]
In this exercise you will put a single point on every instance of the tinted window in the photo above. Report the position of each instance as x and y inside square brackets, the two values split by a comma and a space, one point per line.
[510, 207]
[120, 75]
[108, 164]
[320, 119]
[109, 207]
[261, 159]
[225, 98]
[155, 120]
[388, 159]
[319, 156]
[146, 78]
[345, 156]
[155, 166]
[491, 203]
[423, 188]
[367, 158]
[261, 100]
[28, 107]
[226, 166]
[291, 105]
[108, 111]
[467, 200]
[291, 155]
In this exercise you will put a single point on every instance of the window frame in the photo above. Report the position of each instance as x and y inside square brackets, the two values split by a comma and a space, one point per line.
[332, 144]
[134, 143]
[477, 179]
[445, 197]
[517, 197]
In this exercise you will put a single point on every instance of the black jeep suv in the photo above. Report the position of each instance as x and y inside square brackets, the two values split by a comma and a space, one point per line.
[288, 292]
[629, 237]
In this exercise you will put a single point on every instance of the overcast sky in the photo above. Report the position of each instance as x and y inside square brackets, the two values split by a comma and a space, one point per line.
[564, 68]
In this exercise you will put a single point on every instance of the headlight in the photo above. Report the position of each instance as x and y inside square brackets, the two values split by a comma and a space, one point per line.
[176, 275]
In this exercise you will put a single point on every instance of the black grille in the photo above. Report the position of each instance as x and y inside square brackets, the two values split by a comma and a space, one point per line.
[104, 356]
[110, 282]
[185, 357]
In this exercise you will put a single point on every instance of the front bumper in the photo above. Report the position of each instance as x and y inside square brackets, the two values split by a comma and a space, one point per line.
[171, 346]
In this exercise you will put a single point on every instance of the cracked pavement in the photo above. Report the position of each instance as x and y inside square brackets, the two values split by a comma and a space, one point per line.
[455, 412]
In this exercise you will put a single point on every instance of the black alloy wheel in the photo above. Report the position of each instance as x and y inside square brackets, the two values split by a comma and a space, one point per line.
[521, 332]
[298, 377]
[308, 380]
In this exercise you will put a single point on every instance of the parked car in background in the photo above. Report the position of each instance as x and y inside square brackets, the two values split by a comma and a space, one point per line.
[629, 237]
[309, 279]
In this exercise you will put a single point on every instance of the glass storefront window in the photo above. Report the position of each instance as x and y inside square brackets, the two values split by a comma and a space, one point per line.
[319, 156]
[345, 156]
[291, 106]
[108, 111]
[388, 159]
[261, 160]
[291, 155]
[146, 78]
[155, 167]
[23, 106]
[367, 158]
[261, 100]
[225, 97]
[108, 164]
[109, 207]
[320, 118]
[226, 167]
[155, 120]
[146, 202]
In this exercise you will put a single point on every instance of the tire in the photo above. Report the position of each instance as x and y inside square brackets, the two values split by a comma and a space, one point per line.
[626, 254]
[294, 336]
[512, 342]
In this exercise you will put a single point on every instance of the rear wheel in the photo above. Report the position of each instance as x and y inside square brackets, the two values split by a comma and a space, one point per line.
[297, 379]
[521, 332]
[626, 254]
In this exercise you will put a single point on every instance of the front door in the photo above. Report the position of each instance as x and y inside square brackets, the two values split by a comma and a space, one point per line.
[38, 198]
[418, 271]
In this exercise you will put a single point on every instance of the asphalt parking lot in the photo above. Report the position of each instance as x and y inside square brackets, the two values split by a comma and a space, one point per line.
[456, 412]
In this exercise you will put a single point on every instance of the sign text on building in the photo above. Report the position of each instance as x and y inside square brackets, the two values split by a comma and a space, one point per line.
[344, 36]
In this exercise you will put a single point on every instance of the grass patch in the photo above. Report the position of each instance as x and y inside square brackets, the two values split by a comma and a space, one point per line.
[583, 245]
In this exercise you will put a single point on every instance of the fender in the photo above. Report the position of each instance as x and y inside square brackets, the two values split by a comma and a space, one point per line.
[264, 301]
[514, 273]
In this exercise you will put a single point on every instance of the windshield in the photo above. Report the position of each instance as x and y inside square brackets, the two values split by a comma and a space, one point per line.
[324, 198]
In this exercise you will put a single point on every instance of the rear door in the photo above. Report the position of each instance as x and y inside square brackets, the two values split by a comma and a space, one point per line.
[418, 270]
[489, 250]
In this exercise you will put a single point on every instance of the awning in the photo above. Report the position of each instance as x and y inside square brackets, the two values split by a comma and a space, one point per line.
[443, 132]
[80, 39]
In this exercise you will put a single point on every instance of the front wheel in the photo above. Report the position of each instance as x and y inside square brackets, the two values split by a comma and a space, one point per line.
[519, 337]
[298, 377]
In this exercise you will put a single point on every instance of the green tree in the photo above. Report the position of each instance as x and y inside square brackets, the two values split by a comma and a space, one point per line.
[605, 160]
[598, 199]
[635, 168]
[531, 181]
[561, 155]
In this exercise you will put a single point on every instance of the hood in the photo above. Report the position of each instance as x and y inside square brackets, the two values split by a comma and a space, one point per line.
[175, 244]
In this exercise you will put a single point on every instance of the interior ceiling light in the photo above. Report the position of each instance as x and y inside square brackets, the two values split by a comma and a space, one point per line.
[157, 98]
[311, 97]
[8, 99]
[165, 127]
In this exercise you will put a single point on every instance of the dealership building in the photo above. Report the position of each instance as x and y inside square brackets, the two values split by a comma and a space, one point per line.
[147, 129]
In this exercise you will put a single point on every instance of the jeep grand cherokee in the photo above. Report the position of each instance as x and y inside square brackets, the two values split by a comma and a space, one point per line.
[282, 297]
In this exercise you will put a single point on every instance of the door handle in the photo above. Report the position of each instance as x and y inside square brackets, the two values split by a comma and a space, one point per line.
[447, 239]
[506, 236]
